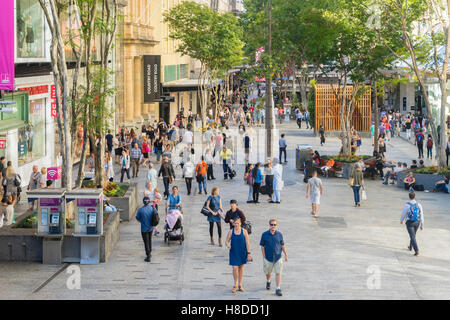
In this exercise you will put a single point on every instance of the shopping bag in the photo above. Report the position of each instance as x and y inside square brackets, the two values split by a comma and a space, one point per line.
[363, 194]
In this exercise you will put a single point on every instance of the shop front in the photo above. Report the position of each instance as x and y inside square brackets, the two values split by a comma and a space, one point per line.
[27, 135]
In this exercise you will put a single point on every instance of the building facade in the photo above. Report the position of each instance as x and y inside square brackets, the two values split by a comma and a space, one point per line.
[27, 136]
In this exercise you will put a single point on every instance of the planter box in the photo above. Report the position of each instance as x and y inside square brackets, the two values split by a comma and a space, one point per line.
[427, 180]
[110, 237]
[23, 245]
[128, 204]
[20, 245]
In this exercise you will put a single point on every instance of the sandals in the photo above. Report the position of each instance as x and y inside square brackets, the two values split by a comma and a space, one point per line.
[234, 289]
[241, 289]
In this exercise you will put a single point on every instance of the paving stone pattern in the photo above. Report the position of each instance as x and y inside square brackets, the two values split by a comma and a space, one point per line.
[332, 257]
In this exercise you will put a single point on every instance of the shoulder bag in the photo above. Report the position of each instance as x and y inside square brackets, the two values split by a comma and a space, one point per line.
[205, 210]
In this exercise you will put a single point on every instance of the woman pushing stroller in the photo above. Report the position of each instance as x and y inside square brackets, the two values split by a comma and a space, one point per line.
[173, 209]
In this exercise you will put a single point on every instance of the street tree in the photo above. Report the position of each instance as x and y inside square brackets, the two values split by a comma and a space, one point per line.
[59, 69]
[213, 38]
[417, 33]
[344, 50]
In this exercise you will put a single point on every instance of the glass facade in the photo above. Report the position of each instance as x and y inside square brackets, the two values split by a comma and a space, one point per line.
[30, 28]
[31, 137]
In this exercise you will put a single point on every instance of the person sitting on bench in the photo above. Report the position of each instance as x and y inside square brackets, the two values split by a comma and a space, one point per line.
[328, 166]
[442, 185]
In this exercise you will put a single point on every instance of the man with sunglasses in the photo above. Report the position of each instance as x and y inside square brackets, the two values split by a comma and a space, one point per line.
[272, 244]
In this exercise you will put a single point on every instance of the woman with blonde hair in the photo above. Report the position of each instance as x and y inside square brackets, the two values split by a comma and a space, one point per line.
[356, 182]
[9, 180]
[109, 170]
[43, 181]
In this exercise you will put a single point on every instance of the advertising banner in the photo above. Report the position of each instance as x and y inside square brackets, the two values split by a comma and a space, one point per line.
[152, 78]
[7, 45]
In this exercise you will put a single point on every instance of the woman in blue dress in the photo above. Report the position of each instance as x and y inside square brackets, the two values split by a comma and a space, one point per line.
[214, 205]
[239, 244]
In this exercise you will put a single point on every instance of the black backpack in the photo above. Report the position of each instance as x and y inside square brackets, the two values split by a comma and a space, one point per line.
[247, 225]
[17, 181]
[155, 218]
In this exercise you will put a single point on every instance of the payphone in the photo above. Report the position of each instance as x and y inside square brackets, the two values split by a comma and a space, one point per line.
[88, 211]
[51, 222]
[50, 211]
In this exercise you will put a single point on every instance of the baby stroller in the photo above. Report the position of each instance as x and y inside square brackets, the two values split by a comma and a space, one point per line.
[176, 233]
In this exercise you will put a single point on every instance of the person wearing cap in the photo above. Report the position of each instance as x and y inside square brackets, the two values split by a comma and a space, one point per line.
[233, 214]
[144, 216]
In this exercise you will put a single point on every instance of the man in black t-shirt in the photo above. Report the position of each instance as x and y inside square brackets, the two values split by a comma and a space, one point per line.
[247, 146]
[109, 141]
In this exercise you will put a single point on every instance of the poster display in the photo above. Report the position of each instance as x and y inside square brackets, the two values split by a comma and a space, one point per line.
[7, 45]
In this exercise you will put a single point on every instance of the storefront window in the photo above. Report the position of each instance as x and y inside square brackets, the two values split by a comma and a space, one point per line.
[30, 29]
[31, 142]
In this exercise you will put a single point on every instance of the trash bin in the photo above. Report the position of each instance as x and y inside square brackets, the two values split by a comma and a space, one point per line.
[302, 154]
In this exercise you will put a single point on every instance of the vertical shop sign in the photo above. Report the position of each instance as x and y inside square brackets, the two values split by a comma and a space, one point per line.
[152, 78]
[53, 111]
[7, 45]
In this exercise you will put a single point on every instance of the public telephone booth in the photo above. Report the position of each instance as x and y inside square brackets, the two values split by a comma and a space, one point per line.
[88, 226]
[51, 222]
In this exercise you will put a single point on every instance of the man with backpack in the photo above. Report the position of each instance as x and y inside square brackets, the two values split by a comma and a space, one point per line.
[419, 140]
[149, 218]
[413, 214]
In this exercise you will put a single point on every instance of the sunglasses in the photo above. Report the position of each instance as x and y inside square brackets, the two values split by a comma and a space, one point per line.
[273, 225]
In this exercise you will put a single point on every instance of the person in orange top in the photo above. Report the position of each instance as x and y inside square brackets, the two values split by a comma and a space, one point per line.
[328, 166]
[200, 174]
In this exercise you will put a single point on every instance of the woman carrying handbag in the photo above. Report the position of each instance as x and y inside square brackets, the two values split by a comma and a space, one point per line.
[356, 181]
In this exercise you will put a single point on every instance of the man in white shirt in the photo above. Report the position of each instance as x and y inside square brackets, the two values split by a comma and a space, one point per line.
[187, 138]
[152, 176]
[208, 138]
[413, 214]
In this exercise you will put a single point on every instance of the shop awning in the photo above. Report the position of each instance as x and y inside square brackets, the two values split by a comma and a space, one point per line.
[185, 85]
[11, 124]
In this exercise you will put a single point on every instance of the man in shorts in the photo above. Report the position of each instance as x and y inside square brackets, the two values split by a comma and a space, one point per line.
[314, 190]
[272, 244]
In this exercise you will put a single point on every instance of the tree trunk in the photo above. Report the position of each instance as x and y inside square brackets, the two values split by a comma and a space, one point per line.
[80, 176]
[443, 123]
[375, 115]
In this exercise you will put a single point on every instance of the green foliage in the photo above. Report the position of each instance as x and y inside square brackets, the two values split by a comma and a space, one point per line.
[432, 170]
[114, 190]
[204, 34]
[111, 189]
[347, 159]
[28, 222]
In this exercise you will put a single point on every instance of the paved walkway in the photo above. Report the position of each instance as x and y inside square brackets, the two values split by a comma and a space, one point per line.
[334, 257]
